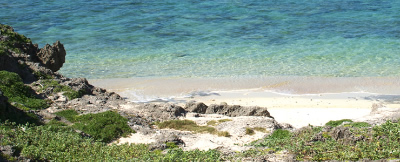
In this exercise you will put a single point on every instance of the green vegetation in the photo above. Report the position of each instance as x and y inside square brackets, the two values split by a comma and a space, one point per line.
[379, 143]
[13, 38]
[188, 125]
[224, 120]
[357, 124]
[105, 126]
[335, 123]
[68, 91]
[40, 75]
[68, 114]
[250, 131]
[18, 94]
[60, 143]
[349, 123]
[260, 129]
[214, 122]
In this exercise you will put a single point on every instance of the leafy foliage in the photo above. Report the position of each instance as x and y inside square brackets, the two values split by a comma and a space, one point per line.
[105, 126]
[358, 124]
[57, 87]
[12, 39]
[60, 143]
[379, 143]
[335, 123]
[68, 114]
[21, 95]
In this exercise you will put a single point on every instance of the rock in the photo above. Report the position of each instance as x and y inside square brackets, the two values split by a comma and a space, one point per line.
[238, 125]
[78, 84]
[161, 141]
[197, 107]
[158, 112]
[7, 150]
[237, 110]
[344, 135]
[225, 109]
[52, 57]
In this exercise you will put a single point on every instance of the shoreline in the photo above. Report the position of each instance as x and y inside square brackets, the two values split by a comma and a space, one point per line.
[298, 101]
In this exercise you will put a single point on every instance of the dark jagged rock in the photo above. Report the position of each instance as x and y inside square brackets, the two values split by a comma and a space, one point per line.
[161, 141]
[52, 57]
[197, 107]
[228, 110]
[157, 112]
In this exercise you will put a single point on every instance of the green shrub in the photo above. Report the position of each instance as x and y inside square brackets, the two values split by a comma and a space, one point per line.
[105, 126]
[55, 143]
[379, 143]
[13, 38]
[55, 123]
[280, 134]
[41, 75]
[335, 123]
[358, 124]
[171, 145]
[68, 114]
[68, 91]
[20, 95]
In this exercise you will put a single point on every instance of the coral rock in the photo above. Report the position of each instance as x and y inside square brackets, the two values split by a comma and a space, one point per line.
[52, 57]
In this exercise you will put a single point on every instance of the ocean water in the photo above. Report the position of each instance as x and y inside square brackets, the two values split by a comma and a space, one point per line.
[215, 38]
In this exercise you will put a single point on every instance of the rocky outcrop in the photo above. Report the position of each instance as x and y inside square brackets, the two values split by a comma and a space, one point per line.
[156, 112]
[52, 57]
[228, 110]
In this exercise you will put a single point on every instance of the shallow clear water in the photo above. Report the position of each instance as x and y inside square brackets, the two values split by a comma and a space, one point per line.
[174, 38]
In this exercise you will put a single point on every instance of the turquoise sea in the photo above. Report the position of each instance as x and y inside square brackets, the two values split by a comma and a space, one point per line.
[215, 38]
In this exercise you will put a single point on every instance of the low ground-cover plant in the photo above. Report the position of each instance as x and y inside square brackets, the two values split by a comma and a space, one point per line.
[335, 123]
[18, 94]
[12, 39]
[68, 114]
[380, 142]
[105, 126]
[57, 87]
[61, 143]
[188, 125]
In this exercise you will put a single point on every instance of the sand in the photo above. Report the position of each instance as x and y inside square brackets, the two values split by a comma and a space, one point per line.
[298, 101]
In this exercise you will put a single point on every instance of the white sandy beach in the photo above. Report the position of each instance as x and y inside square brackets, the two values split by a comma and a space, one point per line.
[298, 101]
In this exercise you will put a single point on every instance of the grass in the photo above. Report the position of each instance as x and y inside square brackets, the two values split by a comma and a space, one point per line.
[188, 125]
[250, 131]
[18, 94]
[260, 129]
[215, 122]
